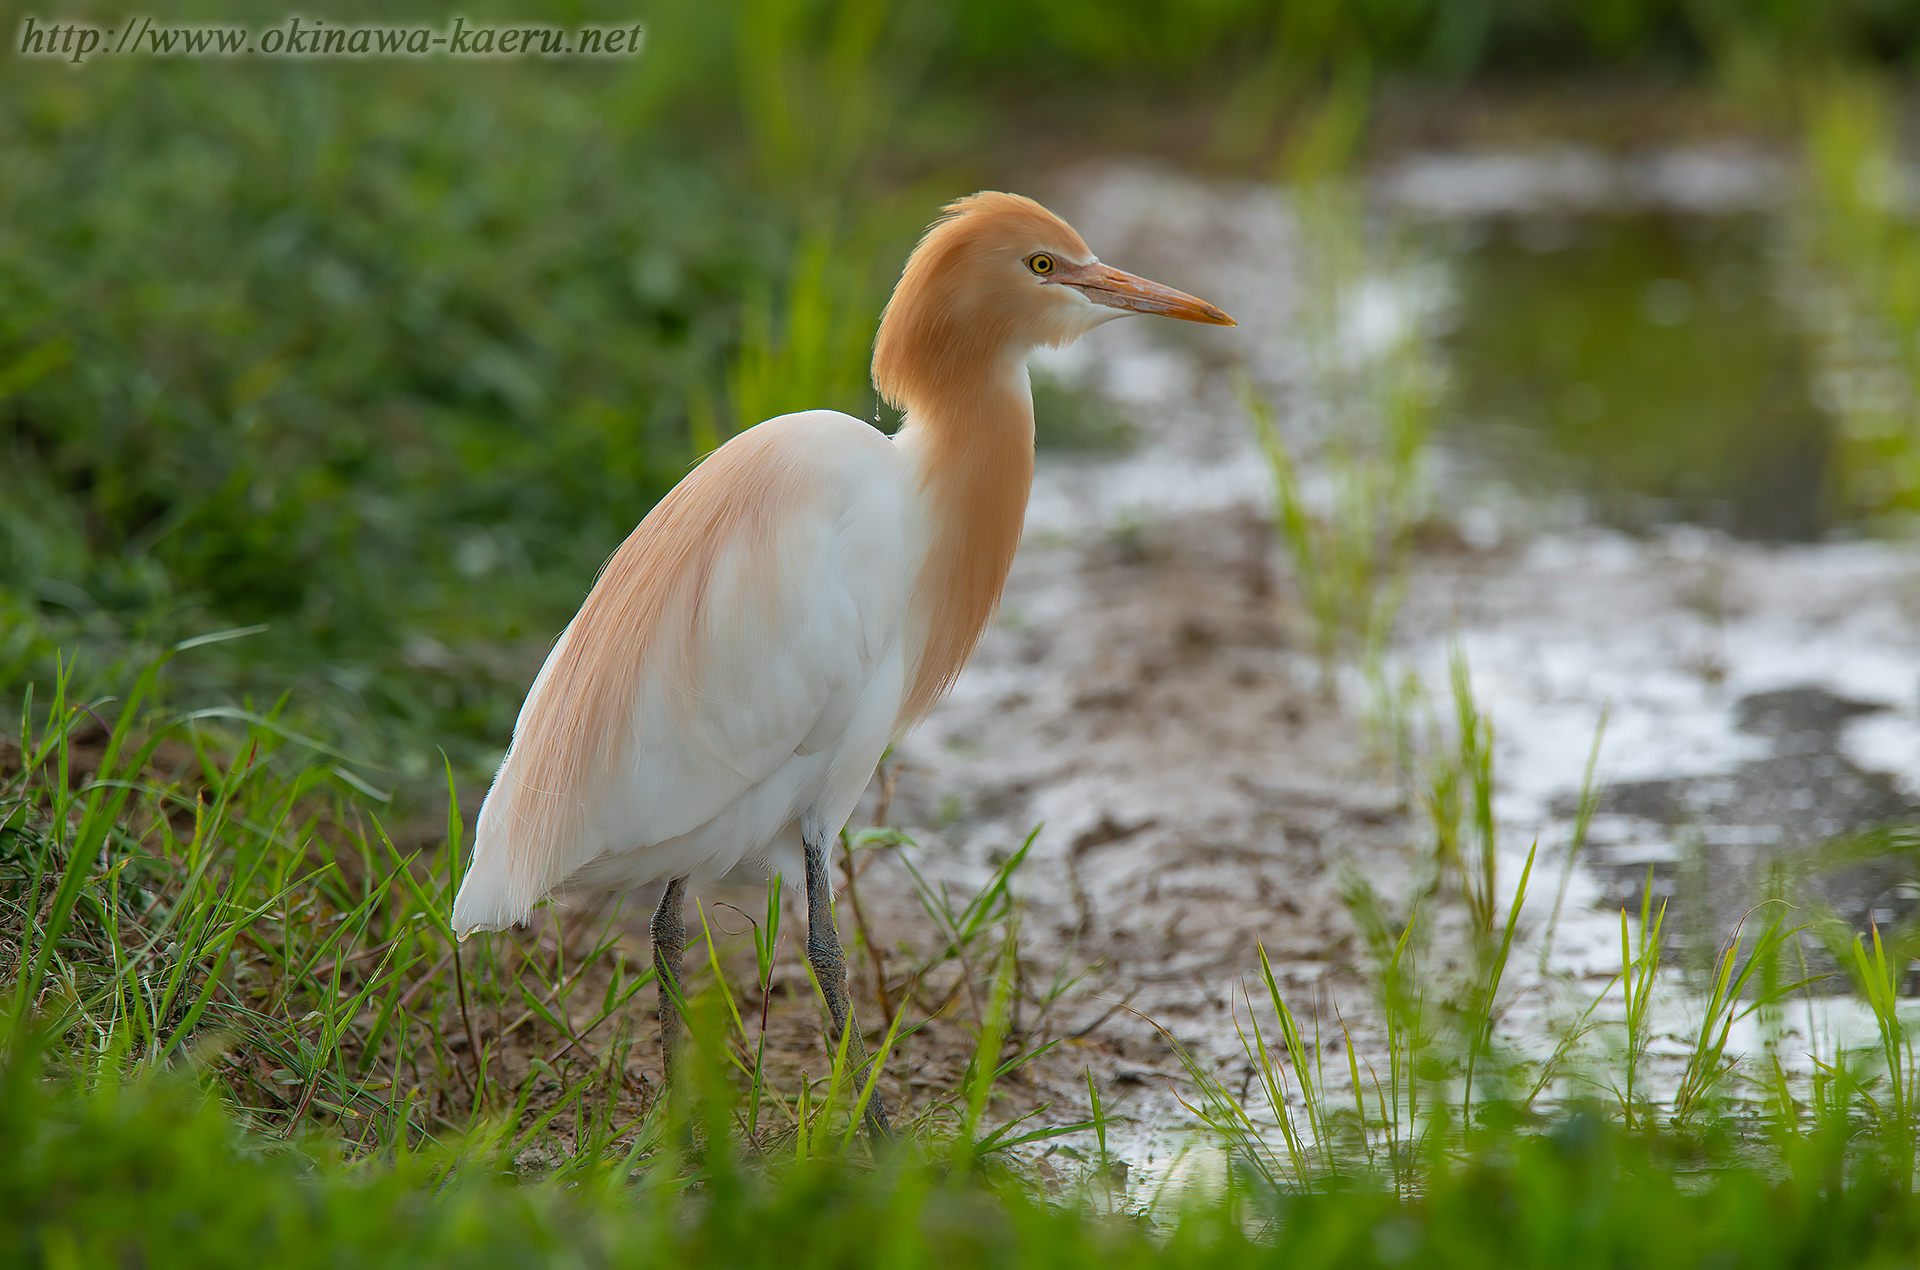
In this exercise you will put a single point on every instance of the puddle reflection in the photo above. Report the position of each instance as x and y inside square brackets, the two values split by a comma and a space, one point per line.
[1644, 361]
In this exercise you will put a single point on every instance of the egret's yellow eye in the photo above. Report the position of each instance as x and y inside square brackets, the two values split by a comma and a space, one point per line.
[1041, 264]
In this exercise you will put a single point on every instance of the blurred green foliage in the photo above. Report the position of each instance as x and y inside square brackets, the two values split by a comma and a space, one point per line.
[100, 1174]
[1860, 242]
[386, 358]
[360, 363]
[1172, 39]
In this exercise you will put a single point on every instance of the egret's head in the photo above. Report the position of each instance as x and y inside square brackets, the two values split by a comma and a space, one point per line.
[996, 276]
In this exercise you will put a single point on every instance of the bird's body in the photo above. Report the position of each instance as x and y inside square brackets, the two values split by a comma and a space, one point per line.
[741, 665]
[805, 595]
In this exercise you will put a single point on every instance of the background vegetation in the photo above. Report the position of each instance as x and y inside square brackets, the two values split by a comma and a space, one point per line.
[383, 359]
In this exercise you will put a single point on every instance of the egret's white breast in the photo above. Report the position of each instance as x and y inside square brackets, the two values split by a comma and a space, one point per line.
[771, 698]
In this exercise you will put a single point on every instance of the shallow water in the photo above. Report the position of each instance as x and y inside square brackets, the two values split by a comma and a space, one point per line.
[1644, 361]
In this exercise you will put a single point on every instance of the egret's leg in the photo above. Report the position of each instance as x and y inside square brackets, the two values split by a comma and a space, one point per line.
[830, 970]
[669, 941]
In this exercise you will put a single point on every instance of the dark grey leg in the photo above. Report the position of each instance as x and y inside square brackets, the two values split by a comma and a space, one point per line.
[669, 941]
[830, 970]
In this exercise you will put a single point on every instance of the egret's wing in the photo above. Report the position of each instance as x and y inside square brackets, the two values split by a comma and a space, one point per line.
[736, 627]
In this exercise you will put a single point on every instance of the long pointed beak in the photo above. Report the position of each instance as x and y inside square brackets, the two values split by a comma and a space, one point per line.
[1106, 285]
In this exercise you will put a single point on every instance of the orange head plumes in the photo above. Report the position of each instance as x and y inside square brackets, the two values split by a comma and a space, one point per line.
[996, 276]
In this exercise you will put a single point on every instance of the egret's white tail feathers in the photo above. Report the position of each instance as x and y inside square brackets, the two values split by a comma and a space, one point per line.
[491, 896]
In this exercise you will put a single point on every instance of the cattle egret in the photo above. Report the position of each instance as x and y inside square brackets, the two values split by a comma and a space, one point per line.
[804, 596]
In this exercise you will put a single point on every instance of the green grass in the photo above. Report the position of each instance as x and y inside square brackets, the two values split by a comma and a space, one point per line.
[150, 1171]
[236, 1028]
[209, 889]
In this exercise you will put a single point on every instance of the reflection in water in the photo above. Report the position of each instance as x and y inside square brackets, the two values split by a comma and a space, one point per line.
[1644, 361]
